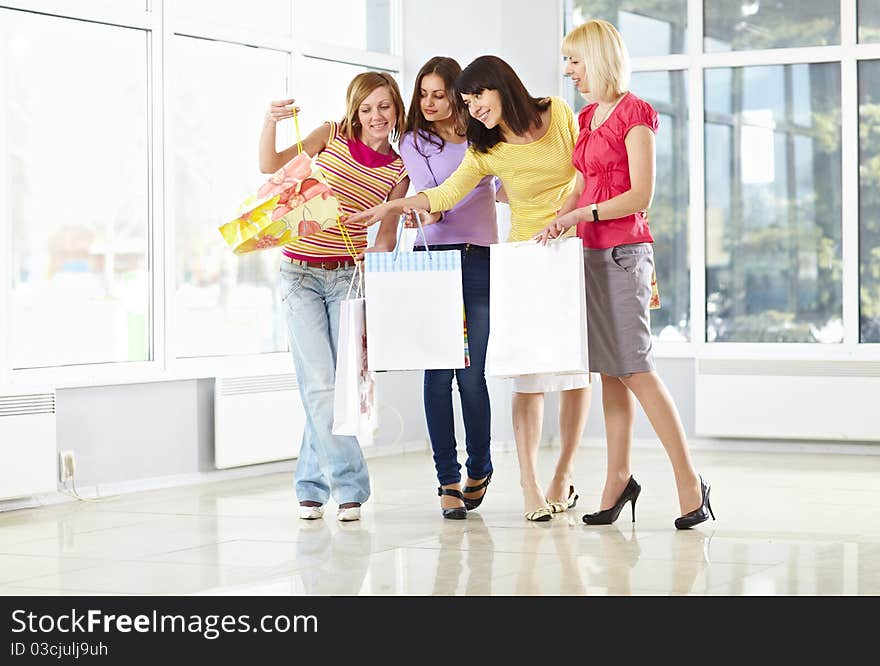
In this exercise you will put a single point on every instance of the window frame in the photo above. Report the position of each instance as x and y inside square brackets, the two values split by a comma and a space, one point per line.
[696, 62]
[164, 364]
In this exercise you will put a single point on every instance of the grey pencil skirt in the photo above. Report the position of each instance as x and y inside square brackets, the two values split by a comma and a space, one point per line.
[618, 287]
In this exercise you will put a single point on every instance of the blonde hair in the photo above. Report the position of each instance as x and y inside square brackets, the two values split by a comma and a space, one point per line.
[600, 47]
[359, 89]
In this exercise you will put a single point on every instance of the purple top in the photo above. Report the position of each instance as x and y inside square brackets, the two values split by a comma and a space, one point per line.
[471, 220]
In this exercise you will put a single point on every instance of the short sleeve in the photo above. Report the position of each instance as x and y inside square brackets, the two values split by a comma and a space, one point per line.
[585, 115]
[640, 113]
[403, 173]
[334, 131]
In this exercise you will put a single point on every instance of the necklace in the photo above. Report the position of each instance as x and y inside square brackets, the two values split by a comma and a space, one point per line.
[594, 124]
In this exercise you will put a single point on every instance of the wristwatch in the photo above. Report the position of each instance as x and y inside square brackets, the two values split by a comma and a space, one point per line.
[595, 209]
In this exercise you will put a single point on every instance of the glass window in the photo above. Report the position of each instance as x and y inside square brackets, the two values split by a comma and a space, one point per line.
[74, 174]
[667, 93]
[752, 24]
[647, 28]
[869, 200]
[869, 20]
[356, 24]
[320, 90]
[259, 15]
[218, 95]
[773, 255]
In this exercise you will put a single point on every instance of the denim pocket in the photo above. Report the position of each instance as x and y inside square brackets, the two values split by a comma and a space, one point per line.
[291, 281]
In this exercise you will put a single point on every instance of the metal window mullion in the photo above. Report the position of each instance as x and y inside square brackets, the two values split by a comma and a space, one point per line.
[867, 51]
[792, 56]
[350, 56]
[697, 209]
[82, 11]
[159, 218]
[849, 167]
[220, 33]
[6, 258]
[561, 11]
[661, 63]
[397, 31]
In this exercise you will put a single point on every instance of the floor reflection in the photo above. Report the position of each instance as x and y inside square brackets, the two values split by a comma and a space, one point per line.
[464, 563]
[333, 561]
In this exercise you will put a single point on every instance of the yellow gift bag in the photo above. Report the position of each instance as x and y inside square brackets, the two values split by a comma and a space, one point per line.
[296, 201]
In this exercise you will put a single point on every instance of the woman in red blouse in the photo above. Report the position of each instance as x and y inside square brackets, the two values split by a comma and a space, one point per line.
[614, 156]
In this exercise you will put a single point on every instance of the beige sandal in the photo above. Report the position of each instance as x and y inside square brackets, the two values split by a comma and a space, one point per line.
[540, 515]
[565, 505]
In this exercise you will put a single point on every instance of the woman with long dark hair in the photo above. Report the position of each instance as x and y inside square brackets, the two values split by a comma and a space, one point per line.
[527, 142]
[432, 149]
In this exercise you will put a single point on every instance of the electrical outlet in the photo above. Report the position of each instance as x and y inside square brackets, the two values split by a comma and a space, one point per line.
[67, 465]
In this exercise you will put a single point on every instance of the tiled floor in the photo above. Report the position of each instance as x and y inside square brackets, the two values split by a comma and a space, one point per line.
[792, 524]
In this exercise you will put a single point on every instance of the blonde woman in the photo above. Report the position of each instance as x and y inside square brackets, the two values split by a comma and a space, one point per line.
[614, 156]
[526, 142]
[363, 170]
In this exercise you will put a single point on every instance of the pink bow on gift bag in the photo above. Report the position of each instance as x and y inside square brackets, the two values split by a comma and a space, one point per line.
[296, 201]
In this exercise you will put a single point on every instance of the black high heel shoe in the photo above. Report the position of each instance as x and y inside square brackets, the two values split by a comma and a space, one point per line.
[472, 504]
[700, 514]
[456, 512]
[607, 516]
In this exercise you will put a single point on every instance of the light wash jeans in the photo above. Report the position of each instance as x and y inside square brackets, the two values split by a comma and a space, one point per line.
[328, 464]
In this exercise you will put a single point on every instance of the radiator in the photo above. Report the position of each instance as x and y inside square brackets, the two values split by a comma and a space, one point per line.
[28, 458]
[256, 420]
[786, 399]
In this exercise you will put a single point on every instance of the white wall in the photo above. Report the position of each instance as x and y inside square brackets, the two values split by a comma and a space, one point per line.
[525, 33]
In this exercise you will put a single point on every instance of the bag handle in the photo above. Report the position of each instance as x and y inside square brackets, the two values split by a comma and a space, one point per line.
[299, 143]
[422, 231]
[400, 228]
[359, 275]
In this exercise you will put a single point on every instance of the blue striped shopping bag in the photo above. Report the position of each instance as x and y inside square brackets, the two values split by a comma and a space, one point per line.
[414, 308]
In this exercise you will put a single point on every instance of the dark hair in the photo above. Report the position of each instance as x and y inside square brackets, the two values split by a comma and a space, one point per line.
[519, 109]
[448, 70]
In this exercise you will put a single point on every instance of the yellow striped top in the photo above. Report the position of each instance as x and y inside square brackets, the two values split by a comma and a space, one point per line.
[357, 186]
[537, 176]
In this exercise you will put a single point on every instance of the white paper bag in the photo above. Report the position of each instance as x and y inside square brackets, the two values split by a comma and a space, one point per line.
[415, 310]
[355, 409]
[537, 309]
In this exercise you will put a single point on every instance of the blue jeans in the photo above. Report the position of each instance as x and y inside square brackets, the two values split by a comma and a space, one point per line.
[328, 464]
[472, 388]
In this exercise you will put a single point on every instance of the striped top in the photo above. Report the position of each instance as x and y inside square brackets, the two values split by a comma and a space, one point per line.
[537, 176]
[357, 186]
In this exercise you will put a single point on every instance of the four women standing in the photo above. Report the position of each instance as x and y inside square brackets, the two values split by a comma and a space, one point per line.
[533, 145]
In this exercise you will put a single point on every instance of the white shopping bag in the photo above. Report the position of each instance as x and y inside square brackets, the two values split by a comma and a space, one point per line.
[537, 309]
[355, 410]
[415, 310]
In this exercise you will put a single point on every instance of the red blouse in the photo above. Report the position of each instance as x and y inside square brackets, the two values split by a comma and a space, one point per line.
[601, 158]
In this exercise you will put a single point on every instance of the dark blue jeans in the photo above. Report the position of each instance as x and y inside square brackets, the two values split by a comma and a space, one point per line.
[471, 380]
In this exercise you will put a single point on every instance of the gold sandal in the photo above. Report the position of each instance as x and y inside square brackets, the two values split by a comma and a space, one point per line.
[565, 505]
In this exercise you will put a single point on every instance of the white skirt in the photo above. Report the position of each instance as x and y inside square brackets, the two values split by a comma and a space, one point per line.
[548, 383]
